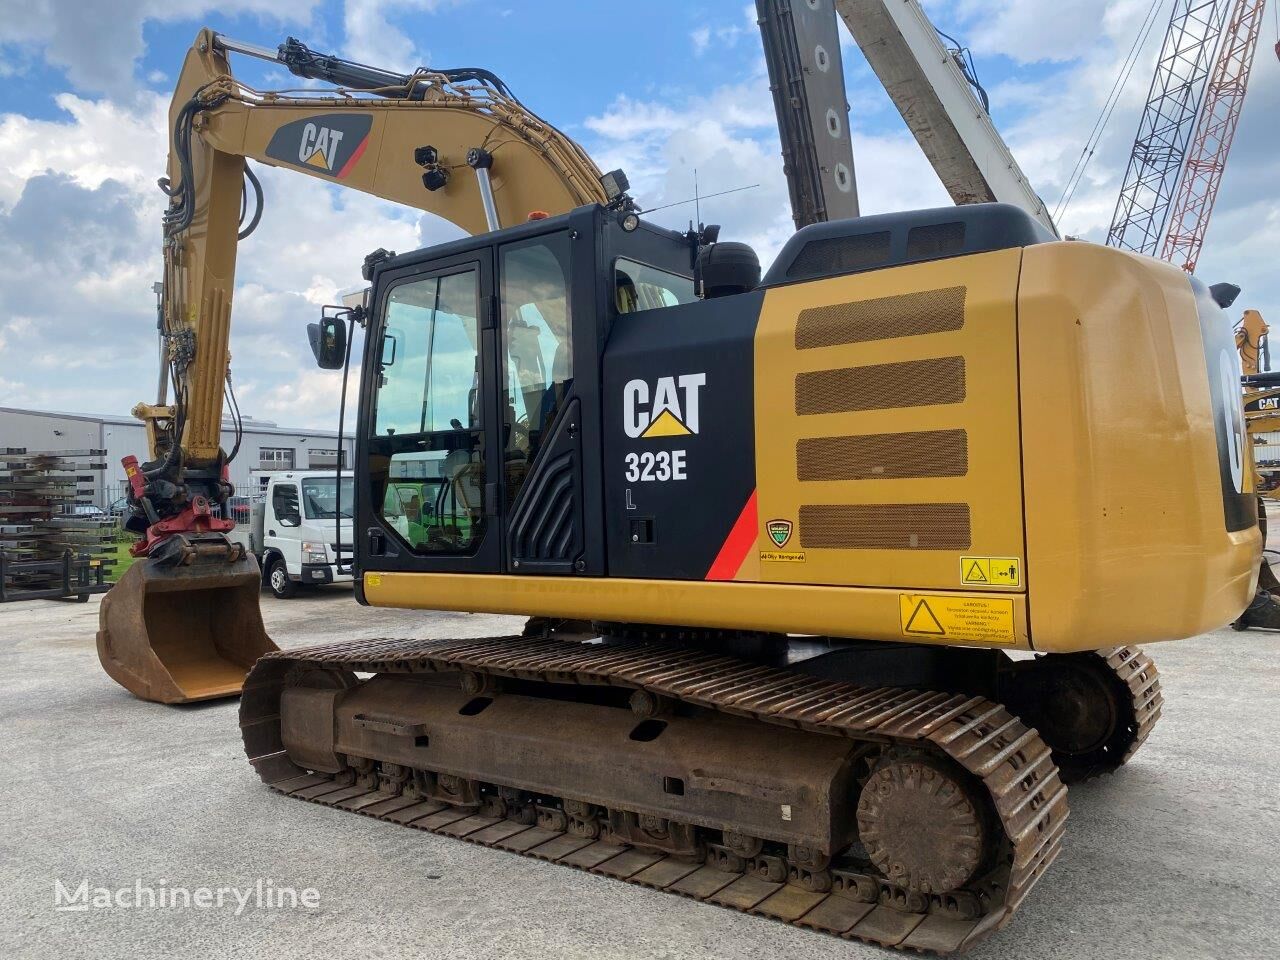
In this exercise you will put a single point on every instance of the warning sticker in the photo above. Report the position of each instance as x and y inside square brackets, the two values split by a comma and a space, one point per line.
[995, 571]
[964, 619]
[778, 556]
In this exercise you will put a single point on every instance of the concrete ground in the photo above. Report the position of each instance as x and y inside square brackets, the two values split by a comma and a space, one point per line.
[1173, 857]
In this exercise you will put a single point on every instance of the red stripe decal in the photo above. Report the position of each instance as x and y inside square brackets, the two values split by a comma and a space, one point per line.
[346, 167]
[737, 545]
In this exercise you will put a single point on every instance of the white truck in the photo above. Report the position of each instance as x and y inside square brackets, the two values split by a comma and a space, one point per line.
[293, 528]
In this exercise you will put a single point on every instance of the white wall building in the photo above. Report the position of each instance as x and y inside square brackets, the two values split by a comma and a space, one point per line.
[265, 446]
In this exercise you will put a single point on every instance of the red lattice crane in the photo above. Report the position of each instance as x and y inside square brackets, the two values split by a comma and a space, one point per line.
[1215, 129]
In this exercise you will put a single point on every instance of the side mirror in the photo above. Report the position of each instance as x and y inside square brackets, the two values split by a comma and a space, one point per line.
[328, 342]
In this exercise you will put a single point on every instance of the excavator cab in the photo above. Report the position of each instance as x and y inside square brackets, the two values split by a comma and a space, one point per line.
[484, 374]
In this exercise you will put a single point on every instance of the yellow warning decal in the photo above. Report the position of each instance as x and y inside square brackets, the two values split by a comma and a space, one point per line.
[963, 619]
[372, 580]
[996, 571]
[777, 556]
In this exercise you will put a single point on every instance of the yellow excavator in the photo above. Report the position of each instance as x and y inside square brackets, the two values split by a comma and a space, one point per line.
[834, 575]
[1262, 412]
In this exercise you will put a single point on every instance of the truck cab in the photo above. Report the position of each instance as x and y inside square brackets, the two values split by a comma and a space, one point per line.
[298, 528]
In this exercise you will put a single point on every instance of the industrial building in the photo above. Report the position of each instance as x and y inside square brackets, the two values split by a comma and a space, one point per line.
[265, 446]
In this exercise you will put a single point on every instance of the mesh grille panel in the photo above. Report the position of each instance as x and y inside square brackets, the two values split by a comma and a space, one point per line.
[874, 456]
[886, 526]
[835, 255]
[936, 240]
[884, 318]
[913, 383]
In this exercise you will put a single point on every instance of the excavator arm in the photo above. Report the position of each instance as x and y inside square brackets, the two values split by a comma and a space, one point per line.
[456, 143]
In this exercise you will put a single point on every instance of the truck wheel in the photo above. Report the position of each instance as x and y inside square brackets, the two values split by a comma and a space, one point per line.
[278, 580]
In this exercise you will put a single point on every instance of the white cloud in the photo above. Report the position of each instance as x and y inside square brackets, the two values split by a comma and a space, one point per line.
[729, 135]
[724, 35]
[99, 139]
[79, 250]
[99, 43]
[1053, 114]
[372, 37]
[1029, 31]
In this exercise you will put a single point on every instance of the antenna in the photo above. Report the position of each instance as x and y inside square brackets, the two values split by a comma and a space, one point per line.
[697, 205]
[665, 206]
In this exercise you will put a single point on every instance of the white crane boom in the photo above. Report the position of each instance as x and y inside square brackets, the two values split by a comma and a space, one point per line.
[936, 100]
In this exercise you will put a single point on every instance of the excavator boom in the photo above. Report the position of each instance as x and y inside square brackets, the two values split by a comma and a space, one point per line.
[456, 143]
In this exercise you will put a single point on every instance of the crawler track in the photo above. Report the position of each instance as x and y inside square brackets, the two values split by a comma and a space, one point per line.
[1138, 673]
[1007, 758]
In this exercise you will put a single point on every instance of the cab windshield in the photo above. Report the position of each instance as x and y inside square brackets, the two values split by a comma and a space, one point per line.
[319, 497]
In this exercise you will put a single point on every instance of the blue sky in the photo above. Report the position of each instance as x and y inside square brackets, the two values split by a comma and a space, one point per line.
[656, 87]
[648, 53]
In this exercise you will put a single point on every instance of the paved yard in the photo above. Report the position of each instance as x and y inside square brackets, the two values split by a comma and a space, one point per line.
[1173, 857]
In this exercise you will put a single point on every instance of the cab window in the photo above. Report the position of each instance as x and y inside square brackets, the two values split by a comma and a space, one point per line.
[642, 287]
[428, 413]
[284, 504]
[537, 326]
[320, 497]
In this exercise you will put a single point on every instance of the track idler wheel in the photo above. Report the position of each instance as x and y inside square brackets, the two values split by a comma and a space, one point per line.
[920, 824]
[1081, 708]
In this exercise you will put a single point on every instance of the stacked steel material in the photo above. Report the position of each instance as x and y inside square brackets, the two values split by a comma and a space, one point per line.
[53, 542]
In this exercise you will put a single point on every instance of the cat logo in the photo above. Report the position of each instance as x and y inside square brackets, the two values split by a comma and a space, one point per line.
[319, 146]
[330, 143]
[670, 409]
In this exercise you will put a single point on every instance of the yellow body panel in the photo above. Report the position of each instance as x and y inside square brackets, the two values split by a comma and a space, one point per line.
[987, 413]
[1083, 460]
[774, 607]
[1125, 535]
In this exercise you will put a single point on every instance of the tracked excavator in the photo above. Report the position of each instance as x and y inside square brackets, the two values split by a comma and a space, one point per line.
[1262, 414]
[834, 575]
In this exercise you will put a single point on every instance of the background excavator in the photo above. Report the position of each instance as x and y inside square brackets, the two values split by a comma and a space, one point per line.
[776, 534]
[1262, 415]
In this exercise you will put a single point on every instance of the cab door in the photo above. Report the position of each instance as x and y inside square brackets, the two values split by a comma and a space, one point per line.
[429, 421]
[548, 360]
[282, 519]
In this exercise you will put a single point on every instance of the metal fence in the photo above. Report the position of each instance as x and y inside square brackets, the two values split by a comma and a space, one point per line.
[114, 496]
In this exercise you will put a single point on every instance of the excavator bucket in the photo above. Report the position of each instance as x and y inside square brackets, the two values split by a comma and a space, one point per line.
[175, 633]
